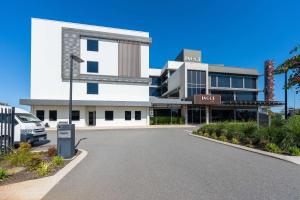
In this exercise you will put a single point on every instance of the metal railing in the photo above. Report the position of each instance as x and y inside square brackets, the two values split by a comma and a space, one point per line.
[7, 129]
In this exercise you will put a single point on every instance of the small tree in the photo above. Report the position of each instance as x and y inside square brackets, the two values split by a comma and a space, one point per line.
[292, 64]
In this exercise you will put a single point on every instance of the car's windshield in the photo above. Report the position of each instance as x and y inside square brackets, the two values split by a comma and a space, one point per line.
[27, 117]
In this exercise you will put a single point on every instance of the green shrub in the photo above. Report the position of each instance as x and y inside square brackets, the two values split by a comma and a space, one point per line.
[271, 147]
[206, 134]
[19, 158]
[294, 151]
[234, 140]
[24, 146]
[161, 120]
[293, 126]
[35, 161]
[52, 151]
[44, 168]
[277, 120]
[57, 160]
[214, 136]
[3, 174]
[223, 138]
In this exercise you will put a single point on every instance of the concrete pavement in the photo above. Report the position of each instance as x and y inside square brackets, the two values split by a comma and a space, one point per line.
[169, 164]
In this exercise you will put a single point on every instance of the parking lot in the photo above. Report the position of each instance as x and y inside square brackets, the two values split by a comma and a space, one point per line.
[169, 164]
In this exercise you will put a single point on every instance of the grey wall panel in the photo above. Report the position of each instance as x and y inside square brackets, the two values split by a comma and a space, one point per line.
[129, 60]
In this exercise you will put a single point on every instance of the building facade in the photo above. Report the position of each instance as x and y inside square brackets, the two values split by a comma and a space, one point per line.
[111, 86]
[115, 86]
[205, 92]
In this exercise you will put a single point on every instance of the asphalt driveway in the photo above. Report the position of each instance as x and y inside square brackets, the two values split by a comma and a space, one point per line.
[168, 164]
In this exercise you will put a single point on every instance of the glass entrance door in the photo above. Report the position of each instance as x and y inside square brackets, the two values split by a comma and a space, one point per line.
[92, 118]
[196, 115]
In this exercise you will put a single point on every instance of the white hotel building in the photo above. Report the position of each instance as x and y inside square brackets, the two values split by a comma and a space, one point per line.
[114, 86]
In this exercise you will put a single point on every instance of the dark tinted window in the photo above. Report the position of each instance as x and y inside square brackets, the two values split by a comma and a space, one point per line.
[92, 66]
[138, 115]
[92, 45]
[213, 81]
[127, 115]
[155, 80]
[154, 91]
[40, 114]
[92, 88]
[250, 82]
[225, 95]
[75, 115]
[52, 115]
[246, 96]
[109, 115]
[196, 81]
[223, 81]
[236, 82]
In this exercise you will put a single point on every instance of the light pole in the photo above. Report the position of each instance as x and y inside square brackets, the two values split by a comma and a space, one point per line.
[78, 60]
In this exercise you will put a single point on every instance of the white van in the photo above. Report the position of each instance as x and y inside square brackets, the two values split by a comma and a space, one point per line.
[28, 128]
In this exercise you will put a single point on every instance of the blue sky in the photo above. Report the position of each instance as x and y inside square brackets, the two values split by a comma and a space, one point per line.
[235, 33]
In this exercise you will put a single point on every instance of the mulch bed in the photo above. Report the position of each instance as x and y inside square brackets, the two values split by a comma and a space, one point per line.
[26, 174]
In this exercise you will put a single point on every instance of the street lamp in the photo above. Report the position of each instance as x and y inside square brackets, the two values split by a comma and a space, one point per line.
[78, 60]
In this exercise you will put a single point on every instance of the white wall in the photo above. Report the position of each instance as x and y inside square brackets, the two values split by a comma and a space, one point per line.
[119, 115]
[106, 56]
[46, 81]
[144, 61]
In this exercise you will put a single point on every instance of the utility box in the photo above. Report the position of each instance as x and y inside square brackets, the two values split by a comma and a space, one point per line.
[66, 140]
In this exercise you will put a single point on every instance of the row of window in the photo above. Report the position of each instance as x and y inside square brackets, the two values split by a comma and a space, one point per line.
[53, 115]
[239, 96]
[231, 81]
[109, 115]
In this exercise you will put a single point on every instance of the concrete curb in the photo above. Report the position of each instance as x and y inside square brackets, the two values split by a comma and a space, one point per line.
[38, 188]
[292, 159]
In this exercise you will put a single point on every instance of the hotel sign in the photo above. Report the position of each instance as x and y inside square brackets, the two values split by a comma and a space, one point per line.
[207, 99]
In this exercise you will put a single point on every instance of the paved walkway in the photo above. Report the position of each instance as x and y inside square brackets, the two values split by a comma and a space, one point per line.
[168, 164]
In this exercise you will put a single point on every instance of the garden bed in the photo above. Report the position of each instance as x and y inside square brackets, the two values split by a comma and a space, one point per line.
[23, 164]
[283, 137]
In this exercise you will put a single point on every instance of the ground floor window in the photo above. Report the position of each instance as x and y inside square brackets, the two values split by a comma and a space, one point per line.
[138, 115]
[75, 115]
[166, 116]
[222, 115]
[109, 115]
[52, 115]
[40, 114]
[128, 115]
[196, 115]
[245, 115]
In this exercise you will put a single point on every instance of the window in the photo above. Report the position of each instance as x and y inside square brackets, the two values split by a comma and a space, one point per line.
[92, 88]
[75, 115]
[225, 95]
[154, 91]
[92, 45]
[213, 81]
[245, 96]
[138, 115]
[250, 82]
[237, 82]
[223, 81]
[196, 82]
[92, 66]
[109, 115]
[155, 80]
[127, 115]
[40, 114]
[52, 115]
